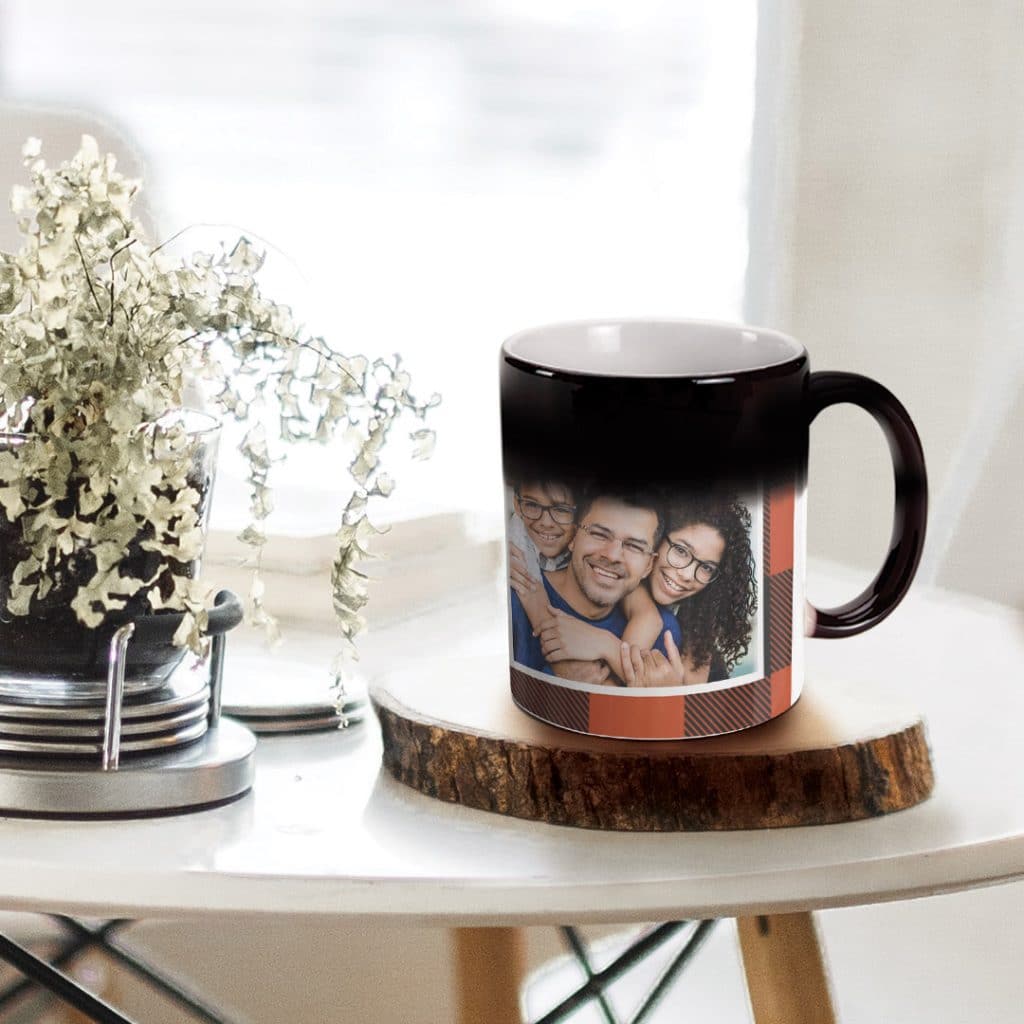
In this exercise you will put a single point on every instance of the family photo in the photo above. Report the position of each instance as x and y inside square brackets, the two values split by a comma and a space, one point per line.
[615, 587]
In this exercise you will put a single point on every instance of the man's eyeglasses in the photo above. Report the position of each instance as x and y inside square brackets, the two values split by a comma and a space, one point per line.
[534, 510]
[679, 556]
[630, 545]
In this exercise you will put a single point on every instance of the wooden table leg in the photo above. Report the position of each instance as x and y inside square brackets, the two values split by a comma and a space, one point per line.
[785, 970]
[489, 968]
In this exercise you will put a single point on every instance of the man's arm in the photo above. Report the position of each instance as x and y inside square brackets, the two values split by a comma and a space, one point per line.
[564, 637]
[526, 650]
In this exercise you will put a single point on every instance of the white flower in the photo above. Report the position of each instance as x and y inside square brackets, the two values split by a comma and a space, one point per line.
[101, 331]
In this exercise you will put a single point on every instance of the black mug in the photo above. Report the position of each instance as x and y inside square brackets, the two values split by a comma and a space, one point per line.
[655, 476]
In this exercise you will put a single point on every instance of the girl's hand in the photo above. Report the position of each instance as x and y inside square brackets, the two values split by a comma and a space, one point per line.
[565, 638]
[652, 668]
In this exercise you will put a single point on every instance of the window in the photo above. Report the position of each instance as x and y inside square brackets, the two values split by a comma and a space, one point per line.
[431, 176]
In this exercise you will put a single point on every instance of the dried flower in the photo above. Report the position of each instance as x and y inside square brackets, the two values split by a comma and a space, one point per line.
[99, 334]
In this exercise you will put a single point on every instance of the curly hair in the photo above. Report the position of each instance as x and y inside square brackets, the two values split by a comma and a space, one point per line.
[717, 621]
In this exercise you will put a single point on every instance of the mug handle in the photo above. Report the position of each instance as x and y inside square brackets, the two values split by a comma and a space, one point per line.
[890, 586]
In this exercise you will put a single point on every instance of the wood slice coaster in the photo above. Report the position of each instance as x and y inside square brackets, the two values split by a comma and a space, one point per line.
[451, 731]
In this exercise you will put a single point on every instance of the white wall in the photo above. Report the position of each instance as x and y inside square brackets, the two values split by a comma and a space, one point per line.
[888, 243]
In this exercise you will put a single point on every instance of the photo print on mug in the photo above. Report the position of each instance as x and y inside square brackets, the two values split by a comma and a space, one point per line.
[684, 594]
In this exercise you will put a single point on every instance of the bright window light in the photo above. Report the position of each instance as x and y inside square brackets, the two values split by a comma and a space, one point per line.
[431, 176]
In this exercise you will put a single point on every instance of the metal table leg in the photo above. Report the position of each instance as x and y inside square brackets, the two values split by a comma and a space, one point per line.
[67, 952]
[598, 982]
[82, 937]
[160, 980]
[59, 984]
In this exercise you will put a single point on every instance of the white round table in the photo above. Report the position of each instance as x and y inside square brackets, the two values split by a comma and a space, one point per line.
[325, 834]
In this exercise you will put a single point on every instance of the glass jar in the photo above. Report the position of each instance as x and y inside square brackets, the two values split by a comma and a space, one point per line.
[48, 655]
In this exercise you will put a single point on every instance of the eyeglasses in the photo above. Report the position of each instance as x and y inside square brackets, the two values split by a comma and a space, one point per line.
[629, 545]
[680, 557]
[534, 510]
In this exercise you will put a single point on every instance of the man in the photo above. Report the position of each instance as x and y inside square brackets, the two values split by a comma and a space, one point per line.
[612, 552]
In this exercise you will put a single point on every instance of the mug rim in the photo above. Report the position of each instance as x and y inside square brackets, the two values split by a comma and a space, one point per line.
[793, 359]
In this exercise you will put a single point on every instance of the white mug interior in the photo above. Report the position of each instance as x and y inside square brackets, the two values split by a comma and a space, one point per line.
[652, 348]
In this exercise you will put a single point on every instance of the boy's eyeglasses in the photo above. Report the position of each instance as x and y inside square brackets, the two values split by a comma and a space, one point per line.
[533, 510]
